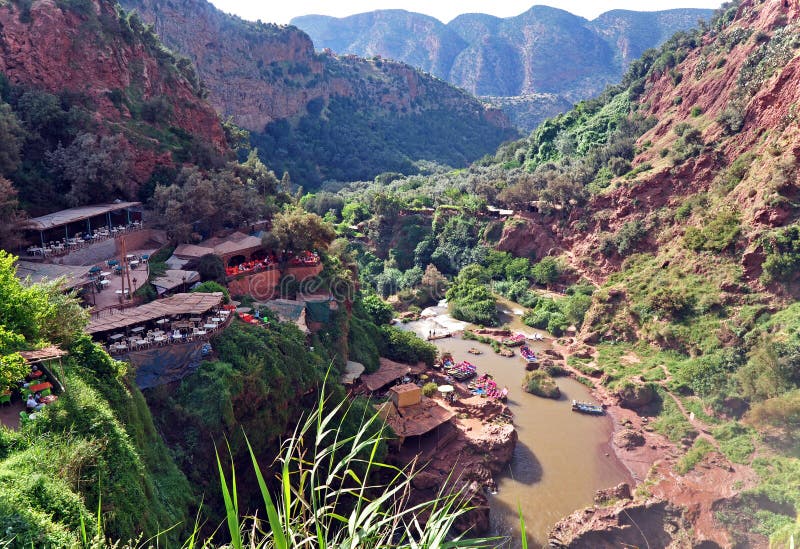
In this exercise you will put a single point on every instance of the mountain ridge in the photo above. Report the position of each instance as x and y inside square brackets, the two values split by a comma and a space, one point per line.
[542, 50]
[269, 79]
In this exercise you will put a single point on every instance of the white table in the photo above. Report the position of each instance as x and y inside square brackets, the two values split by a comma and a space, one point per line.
[105, 273]
[210, 326]
[159, 339]
[117, 336]
[137, 329]
[195, 319]
[120, 291]
[141, 342]
[105, 282]
[162, 321]
[216, 320]
[134, 263]
[201, 332]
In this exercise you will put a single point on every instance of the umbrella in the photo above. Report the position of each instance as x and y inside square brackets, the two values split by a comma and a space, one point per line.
[95, 269]
[446, 388]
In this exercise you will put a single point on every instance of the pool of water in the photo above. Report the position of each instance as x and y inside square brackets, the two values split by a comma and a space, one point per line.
[561, 459]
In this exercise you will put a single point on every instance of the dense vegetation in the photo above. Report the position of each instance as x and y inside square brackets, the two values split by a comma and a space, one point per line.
[96, 442]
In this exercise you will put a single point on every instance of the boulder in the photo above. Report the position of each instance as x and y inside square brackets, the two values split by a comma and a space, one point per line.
[628, 439]
[635, 396]
[619, 492]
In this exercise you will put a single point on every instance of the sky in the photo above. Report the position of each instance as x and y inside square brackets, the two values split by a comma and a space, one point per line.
[282, 11]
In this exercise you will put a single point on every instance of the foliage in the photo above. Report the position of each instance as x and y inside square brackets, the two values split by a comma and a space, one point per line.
[695, 455]
[11, 216]
[207, 201]
[470, 300]
[406, 347]
[296, 230]
[539, 383]
[782, 411]
[211, 267]
[429, 389]
[210, 286]
[547, 271]
[335, 141]
[324, 492]
[782, 249]
[380, 311]
[719, 233]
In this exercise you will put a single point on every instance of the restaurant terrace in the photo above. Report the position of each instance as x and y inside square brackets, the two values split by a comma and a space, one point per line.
[180, 304]
[85, 221]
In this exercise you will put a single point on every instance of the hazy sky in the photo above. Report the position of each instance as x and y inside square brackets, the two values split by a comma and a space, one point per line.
[281, 11]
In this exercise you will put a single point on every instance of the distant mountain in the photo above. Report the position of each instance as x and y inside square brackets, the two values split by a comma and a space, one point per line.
[322, 116]
[542, 51]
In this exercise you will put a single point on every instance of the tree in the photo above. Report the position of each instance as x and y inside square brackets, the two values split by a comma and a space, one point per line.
[96, 168]
[380, 311]
[210, 287]
[11, 139]
[297, 231]
[10, 216]
[546, 271]
[211, 267]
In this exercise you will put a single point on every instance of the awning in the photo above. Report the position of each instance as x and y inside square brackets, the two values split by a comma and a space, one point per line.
[181, 304]
[65, 217]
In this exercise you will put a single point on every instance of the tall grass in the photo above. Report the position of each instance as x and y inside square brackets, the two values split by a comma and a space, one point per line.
[328, 495]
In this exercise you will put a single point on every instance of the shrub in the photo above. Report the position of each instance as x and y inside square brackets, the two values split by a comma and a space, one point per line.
[379, 311]
[539, 383]
[429, 389]
[211, 267]
[696, 111]
[406, 347]
[547, 271]
[694, 456]
[210, 287]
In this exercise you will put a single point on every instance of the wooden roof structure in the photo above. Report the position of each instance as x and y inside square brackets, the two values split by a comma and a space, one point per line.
[180, 304]
[65, 217]
[415, 420]
[74, 277]
[43, 355]
[388, 372]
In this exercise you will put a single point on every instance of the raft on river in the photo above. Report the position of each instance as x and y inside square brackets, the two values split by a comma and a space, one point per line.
[587, 408]
[528, 355]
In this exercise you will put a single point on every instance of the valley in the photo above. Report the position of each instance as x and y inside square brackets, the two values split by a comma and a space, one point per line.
[250, 291]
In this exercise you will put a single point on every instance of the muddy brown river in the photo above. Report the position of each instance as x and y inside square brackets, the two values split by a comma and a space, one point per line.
[561, 457]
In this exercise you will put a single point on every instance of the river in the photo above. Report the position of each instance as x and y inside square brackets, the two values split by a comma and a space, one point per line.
[561, 459]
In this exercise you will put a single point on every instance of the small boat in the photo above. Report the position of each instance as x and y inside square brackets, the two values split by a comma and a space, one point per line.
[513, 341]
[528, 355]
[474, 351]
[587, 408]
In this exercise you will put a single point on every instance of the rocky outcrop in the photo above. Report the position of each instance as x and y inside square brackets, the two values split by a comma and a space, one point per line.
[619, 492]
[653, 523]
[94, 56]
[635, 396]
[628, 439]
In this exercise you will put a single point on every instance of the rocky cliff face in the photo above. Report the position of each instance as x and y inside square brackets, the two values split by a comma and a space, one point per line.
[262, 75]
[542, 51]
[738, 89]
[90, 52]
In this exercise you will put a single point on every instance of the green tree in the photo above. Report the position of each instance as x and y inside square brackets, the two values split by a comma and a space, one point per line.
[297, 231]
[211, 267]
[11, 216]
[380, 311]
[546, 271]
[11, 139]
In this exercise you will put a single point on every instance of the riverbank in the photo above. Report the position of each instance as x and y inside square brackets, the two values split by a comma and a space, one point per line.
[665, 507]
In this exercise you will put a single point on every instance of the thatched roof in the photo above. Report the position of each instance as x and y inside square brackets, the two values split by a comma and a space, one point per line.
[74, 277]
[415, 420]
[388, 372]
[181, 304]
[65, 217]
[48, 353]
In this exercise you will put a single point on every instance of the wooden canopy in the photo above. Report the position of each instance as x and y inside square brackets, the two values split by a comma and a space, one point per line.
[180, 304]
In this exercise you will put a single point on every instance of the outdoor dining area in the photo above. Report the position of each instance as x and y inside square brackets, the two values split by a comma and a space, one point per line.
[63, 232]
[177, 319]
[20, 403]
